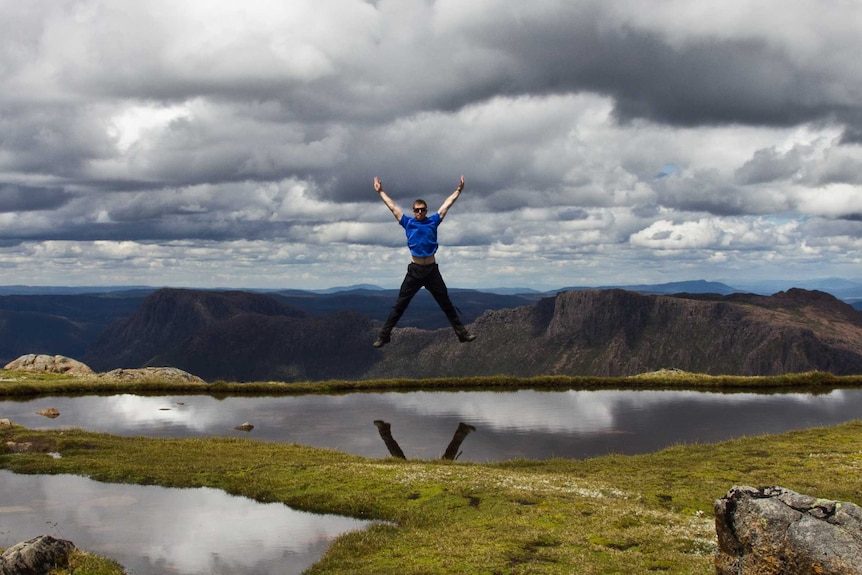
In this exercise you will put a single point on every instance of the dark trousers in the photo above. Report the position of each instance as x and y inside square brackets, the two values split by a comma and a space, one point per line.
[419, 276]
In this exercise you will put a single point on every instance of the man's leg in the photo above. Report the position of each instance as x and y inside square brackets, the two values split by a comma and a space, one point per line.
[434, 283]
[409, 287]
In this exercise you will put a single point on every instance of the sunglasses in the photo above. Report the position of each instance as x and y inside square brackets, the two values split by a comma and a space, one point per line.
[419, 210]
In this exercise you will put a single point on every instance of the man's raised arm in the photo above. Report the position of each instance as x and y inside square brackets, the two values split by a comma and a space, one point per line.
[393, 207]
[447, 203]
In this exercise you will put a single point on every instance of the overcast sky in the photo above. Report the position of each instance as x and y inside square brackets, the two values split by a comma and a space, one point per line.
[209, 143]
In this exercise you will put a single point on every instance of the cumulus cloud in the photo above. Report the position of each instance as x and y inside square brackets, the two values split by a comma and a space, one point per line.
[601, 140]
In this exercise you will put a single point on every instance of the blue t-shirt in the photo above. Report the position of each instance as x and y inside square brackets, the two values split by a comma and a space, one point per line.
[421, 236]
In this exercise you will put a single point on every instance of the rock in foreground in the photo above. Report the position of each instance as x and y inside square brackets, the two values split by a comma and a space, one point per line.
[772, 531]
[36, 556]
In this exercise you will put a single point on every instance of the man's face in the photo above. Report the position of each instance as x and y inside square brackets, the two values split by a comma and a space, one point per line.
[420, 211]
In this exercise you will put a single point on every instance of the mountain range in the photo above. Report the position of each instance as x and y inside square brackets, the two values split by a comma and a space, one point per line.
[844, 289]
[298, 335]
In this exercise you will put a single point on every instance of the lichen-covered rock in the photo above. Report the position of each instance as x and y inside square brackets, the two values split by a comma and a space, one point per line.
[49, 364]
[51, 412]
[35, 556]
[15, 447]
[160, 373]
[773, 530]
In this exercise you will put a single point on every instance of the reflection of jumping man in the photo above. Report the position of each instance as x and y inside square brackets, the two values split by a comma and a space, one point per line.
[421, 232]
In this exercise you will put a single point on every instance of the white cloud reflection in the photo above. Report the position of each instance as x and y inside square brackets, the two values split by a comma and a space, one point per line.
[567, 411]
[149, 528]
[143, 411]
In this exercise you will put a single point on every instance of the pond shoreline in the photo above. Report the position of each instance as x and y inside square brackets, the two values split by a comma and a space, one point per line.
[503, 424]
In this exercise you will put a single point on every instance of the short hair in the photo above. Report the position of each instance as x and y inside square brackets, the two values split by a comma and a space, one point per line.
[420, 202]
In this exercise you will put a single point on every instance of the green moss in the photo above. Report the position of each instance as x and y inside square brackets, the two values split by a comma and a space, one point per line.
[81, 563]
[27, 384]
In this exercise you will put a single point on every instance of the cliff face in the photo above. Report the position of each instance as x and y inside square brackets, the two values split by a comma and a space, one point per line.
[245, 337]
[617, 333]
[167, 318]
[256, 347]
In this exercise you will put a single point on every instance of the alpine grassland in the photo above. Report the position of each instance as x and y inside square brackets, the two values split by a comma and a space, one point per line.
[649, 513]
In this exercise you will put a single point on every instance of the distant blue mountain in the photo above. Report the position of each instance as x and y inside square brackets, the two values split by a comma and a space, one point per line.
[355, 287]
[70, 290]
[821, 284]
[511, 291]
[695, 286]
[843, 289]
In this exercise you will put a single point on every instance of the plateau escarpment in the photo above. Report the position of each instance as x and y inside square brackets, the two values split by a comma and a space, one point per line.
[619, 333]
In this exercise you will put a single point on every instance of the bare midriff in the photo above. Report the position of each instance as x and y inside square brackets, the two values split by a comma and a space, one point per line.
[423, 261]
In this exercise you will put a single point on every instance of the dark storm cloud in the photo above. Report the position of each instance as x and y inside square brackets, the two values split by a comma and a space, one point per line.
[50, 138]
[808, 164]
[709, 192]
[573, 214]
[262, 123]
[820, 228]
[28, 198]
[769, 166]
[697, 82]
[164, 229]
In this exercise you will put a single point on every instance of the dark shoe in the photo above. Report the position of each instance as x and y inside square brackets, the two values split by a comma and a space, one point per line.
[464, 336]
[381, 340]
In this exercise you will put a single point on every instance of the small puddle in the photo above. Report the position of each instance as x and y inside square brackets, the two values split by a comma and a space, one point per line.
[151, 529]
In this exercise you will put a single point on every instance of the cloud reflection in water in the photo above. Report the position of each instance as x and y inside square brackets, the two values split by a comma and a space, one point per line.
[153, 529]
[526, 423]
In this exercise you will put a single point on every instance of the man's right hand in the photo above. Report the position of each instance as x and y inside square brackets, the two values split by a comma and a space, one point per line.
[393, 207]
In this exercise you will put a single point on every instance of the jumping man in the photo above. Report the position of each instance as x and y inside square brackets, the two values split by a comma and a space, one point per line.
[421, 232]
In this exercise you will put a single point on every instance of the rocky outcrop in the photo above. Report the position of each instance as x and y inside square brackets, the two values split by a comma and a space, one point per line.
[151, 373]
[62, 364]
[36, 556]
[19, 446]
[49, 412]
[775, 531]
[49, 364]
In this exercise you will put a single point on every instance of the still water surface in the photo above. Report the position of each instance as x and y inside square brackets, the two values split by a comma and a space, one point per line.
[151, 529]
[531, 424]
